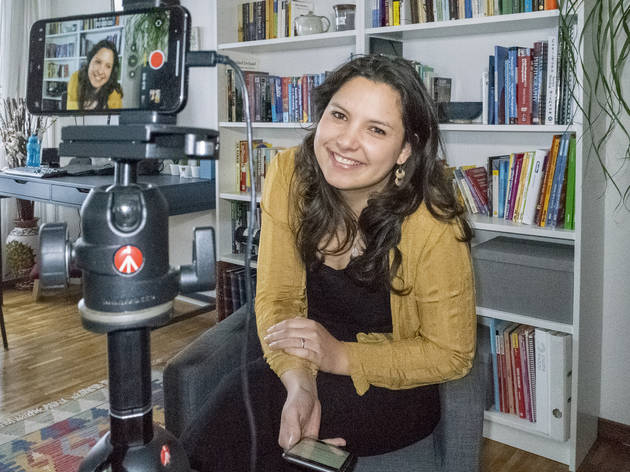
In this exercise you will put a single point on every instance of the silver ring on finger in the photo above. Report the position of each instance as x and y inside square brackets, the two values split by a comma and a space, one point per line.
[303, 342]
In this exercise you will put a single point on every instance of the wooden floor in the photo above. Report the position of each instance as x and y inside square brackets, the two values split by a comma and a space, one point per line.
[51, 356]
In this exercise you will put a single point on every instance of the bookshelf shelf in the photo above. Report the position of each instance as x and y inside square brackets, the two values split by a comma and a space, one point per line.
[478, 127]
[514, 433]
[483, 315]
[499, 225]
[238, 196]
[458, 49]
[451, 127]
[514, 422]
[322, 40]
[481, 25]
[260, 124]
[238, 259]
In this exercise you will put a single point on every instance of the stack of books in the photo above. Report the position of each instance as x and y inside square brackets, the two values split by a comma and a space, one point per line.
[231, 288]
[532, 375]
[534, 187]
[528, 86]
[273, 99]
[401, 12]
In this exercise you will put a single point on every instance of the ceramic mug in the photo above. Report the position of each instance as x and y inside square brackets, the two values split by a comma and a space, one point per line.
[184, 172]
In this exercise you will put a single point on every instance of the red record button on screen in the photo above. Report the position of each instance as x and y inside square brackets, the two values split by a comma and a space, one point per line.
[156, 59]
[128, 259]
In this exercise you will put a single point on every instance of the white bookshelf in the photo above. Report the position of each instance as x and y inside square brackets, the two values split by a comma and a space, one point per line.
[457, 49]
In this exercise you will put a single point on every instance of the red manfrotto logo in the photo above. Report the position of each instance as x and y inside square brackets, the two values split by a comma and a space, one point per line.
[165, 455]
[128, 259]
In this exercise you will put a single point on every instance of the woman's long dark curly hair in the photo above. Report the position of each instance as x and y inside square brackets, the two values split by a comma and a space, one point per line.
[322, 214]
[87, 93]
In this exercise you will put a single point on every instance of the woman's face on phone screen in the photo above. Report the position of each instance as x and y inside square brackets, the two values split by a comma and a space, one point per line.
[360, 137]
[100, 68]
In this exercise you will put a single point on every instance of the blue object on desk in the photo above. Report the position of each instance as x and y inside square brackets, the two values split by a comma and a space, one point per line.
[32, 152]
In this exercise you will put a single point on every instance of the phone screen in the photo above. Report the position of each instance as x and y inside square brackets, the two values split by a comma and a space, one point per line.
[109, 62]
[313, 453]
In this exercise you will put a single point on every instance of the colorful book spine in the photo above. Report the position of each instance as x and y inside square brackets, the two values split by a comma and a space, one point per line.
[495, 368]
[524, 91]
[531, 359]
[541, 348]
[569, 210]
[558, 179]
[535, 184]
[514, 186]
[546, 190]
[511, 84]
[552, 71]
[522, 348]
[503, 184]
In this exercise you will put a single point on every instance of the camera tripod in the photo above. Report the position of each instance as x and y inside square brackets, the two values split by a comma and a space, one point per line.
[128, 285]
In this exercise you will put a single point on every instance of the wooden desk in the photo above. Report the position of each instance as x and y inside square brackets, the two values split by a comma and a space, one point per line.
[183, 196]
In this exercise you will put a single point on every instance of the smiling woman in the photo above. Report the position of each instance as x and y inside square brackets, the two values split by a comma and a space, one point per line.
[361, 233]
[95, 86]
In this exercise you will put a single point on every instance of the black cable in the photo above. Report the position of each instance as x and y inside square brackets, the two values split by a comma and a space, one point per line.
[248, 251]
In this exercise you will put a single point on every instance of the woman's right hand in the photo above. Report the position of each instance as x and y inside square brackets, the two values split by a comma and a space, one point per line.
[301, 414]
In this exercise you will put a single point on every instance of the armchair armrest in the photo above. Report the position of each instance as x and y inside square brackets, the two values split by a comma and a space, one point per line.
[194, 372]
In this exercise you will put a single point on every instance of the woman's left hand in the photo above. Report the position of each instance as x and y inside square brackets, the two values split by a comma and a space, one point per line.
[309, 340]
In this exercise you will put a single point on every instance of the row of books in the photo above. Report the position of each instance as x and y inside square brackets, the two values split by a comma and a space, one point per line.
[93, 23]
[270, 19]
[533, 187]
[531, 369]
[231, 288]
[87, 44]
[239, 224]
[263, 153]
[273, 98]
[57, 71]
[524, 86]
[401, 12]
[60, 27]
[60, 50]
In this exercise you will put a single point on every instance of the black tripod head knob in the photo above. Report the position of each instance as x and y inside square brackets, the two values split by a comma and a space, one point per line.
[54, 255]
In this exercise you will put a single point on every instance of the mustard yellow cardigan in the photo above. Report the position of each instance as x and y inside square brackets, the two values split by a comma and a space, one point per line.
[434, 326]
[72, 103]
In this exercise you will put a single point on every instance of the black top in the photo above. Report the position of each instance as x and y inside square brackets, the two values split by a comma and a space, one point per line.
[345, 308]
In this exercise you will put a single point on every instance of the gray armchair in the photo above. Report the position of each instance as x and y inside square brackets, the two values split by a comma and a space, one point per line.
[454, 446]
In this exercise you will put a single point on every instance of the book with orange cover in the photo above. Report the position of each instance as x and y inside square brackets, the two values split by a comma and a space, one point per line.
[546, 188]
[551, 4]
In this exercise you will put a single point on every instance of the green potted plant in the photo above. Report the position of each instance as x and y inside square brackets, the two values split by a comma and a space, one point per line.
[605, 37]
[146, 33]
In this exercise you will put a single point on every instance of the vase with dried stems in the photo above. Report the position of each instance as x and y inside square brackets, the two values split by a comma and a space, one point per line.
[16, 126]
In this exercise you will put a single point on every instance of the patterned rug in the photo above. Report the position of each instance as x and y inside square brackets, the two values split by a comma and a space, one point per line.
[56, 436]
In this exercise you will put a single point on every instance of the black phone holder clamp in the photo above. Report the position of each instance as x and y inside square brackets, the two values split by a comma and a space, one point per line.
[128, 284]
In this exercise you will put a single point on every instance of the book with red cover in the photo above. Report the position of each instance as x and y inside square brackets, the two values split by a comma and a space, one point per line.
[525, 363]
[516, 169]
[524, 87]
[285, 99]
[478, 179]
[517, 373]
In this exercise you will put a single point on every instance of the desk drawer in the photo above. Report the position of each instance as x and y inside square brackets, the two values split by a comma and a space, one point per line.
[25, 188]
[70, 195]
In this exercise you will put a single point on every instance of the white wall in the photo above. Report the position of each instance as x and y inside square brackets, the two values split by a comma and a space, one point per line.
[615, 404]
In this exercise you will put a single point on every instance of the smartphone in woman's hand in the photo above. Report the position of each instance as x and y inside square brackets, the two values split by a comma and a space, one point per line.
[313, 454]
